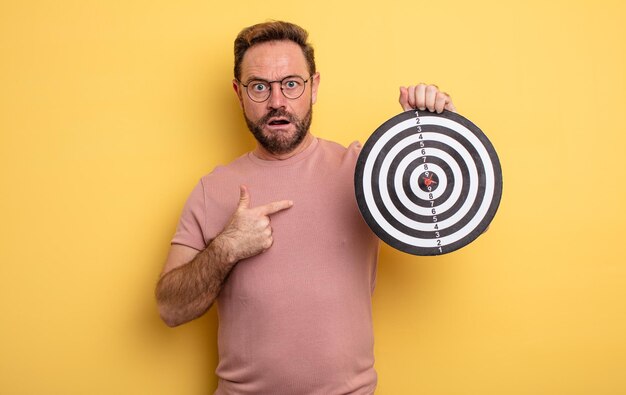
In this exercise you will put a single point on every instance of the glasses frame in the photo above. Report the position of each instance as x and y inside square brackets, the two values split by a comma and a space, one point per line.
[269, 83]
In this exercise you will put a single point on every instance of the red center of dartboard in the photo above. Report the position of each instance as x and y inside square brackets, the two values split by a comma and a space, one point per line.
[429, 180]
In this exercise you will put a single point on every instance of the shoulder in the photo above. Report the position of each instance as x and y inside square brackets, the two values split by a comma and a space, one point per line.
[223, 173]
[332, 147]
[338, 158]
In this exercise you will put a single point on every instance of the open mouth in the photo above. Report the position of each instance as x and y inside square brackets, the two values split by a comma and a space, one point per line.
[278, 122]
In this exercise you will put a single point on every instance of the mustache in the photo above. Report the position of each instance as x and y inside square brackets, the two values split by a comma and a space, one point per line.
[277, 112]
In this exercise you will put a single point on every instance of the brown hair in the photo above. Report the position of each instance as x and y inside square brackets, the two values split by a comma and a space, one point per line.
[272, 31]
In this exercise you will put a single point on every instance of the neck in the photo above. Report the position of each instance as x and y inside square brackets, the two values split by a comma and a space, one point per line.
[264, 154]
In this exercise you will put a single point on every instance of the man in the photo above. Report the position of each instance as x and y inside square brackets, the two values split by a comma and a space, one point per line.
[276, 237]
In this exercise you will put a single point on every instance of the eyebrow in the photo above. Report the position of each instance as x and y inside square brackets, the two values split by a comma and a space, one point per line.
[256, 78]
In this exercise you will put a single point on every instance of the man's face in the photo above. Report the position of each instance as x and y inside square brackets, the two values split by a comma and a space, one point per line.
[279, 124]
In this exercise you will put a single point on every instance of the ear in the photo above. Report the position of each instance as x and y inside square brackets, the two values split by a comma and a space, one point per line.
[238, 91]
[315, 83]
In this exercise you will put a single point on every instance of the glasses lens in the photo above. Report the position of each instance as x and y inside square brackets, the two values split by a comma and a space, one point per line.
[292, 87]
[258, 90]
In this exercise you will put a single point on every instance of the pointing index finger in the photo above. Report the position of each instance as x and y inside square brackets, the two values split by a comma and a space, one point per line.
[274, 207]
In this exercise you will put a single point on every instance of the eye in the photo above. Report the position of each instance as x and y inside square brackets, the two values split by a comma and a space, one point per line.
[258, 86]
[291, 84]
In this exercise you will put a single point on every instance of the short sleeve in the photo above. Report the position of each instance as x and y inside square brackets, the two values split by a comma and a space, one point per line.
[191, 225]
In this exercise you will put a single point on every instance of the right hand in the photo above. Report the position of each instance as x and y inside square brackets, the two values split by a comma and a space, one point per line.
[249, 232]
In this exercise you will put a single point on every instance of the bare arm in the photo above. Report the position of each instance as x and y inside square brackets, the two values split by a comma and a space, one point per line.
[191, 281]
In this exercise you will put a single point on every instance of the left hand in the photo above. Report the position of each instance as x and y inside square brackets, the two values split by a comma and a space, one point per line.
[425, 97]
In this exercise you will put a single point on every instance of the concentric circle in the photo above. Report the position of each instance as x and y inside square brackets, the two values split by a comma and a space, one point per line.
[428, 183]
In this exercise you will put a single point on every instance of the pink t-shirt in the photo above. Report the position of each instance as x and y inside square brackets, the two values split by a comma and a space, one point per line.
[297, 318]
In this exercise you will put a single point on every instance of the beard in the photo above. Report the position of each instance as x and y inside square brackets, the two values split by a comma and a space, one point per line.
[279, 143]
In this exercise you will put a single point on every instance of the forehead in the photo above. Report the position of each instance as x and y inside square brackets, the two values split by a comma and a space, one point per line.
[273, 60]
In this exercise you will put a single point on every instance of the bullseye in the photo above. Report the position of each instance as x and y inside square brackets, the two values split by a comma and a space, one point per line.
[427, 183]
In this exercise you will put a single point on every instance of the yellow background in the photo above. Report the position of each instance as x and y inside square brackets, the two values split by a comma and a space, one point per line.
[110, 111]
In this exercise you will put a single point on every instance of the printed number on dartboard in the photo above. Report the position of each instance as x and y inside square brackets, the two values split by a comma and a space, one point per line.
[428, 187]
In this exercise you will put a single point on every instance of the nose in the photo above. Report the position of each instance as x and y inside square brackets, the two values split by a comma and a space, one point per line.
[276, 99]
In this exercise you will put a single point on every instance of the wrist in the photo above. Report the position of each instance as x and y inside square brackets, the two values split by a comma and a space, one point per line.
[224, 248]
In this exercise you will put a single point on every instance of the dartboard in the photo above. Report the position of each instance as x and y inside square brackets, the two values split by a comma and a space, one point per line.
[428, 183]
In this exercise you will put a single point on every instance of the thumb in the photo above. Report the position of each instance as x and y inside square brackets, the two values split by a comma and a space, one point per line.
[244, 197]
[404, 99]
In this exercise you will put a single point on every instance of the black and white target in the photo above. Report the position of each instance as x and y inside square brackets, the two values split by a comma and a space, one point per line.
[428, 183]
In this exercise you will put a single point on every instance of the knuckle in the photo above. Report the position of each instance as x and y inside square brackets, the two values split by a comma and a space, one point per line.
[264, 222]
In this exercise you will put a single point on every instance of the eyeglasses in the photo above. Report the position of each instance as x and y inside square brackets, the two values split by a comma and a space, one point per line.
[292, 88]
